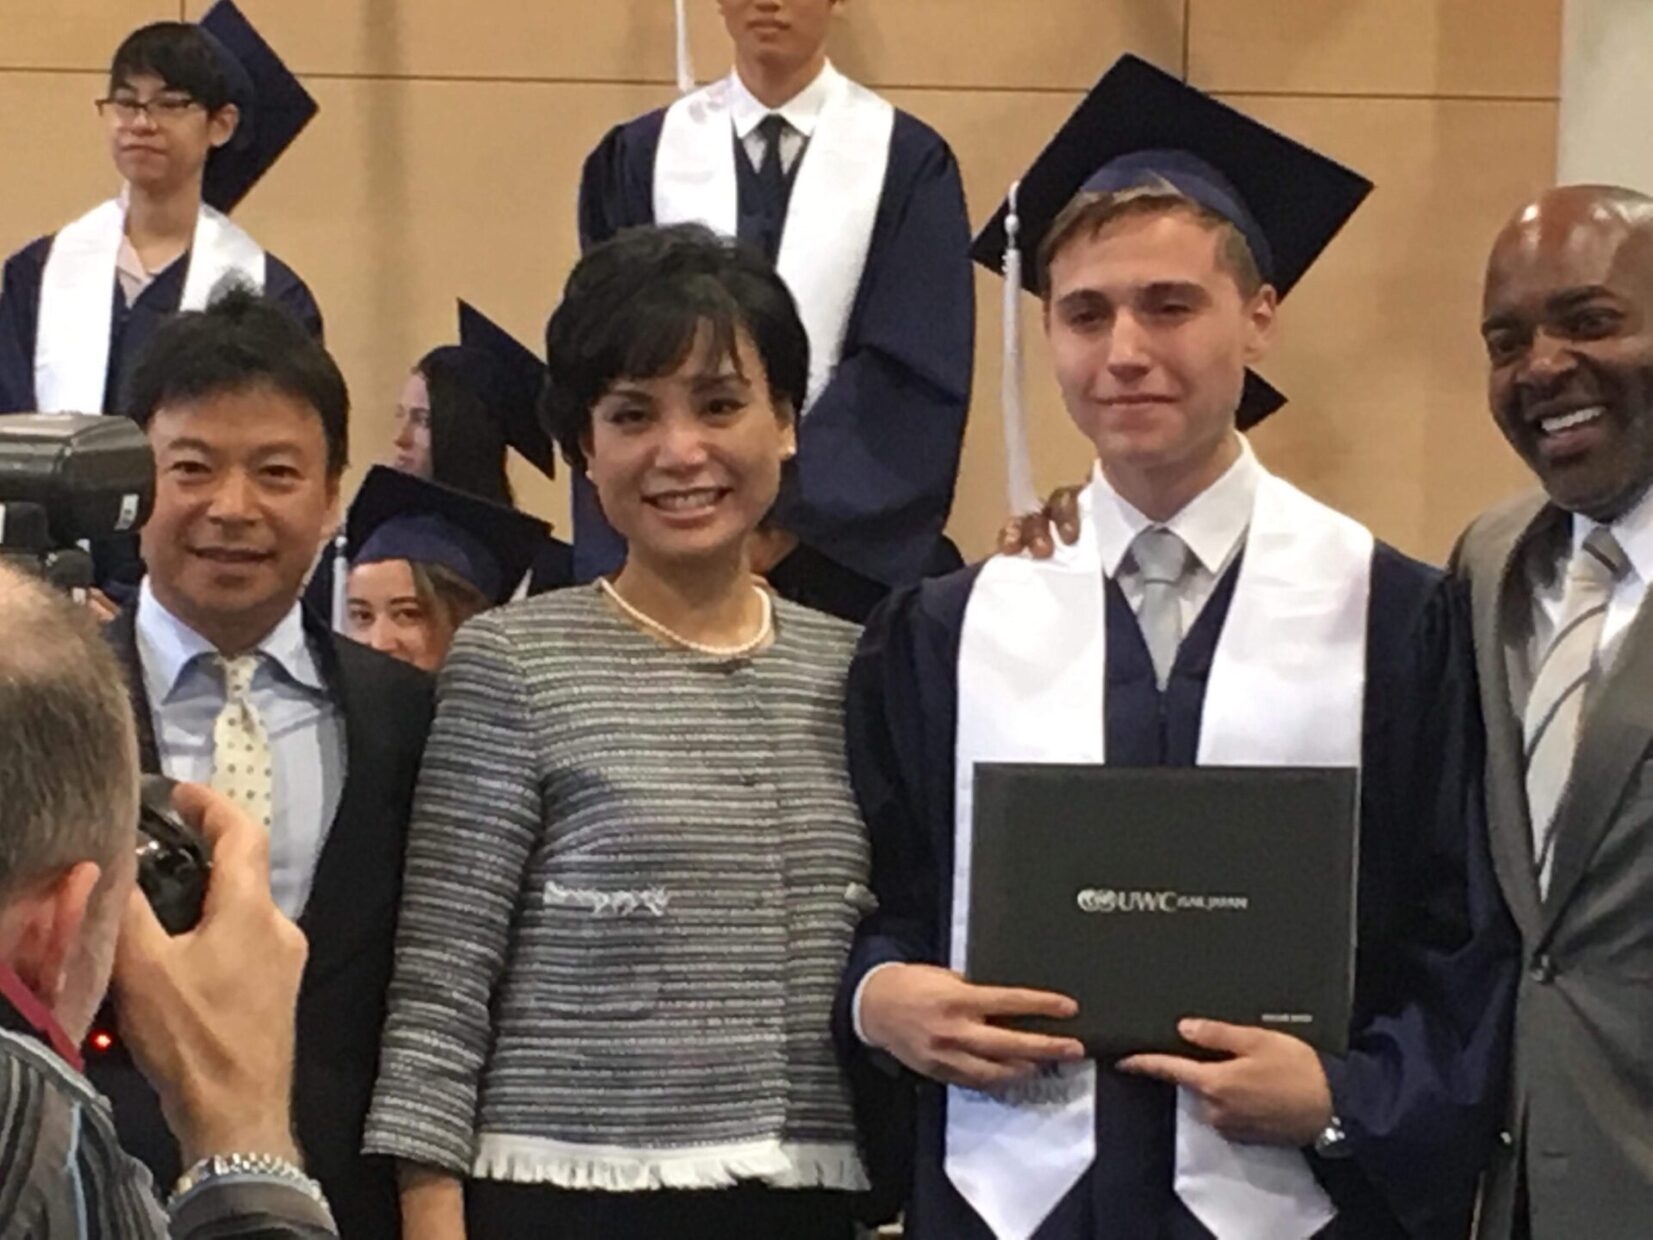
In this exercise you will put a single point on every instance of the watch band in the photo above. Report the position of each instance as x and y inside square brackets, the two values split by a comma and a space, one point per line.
[263, 1166]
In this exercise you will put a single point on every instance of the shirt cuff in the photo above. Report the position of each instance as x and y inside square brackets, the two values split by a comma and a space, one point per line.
[855, 1000]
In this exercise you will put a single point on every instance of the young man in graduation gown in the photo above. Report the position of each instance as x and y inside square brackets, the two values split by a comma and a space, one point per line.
[861, 208]
[196, 114]
[234, 685]
[1209, 614]
[1565, 648]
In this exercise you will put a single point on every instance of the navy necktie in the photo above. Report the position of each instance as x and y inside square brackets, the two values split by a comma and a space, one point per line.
[772, 196]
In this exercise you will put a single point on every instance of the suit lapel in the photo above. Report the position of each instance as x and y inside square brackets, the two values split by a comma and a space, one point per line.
[1497, 595]
[122, 635]
[1614, 736]
[355, 846]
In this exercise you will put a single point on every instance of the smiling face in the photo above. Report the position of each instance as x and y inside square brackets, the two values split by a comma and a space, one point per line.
[165, 145]
[243, 500]
[687, 464]
[387, 611]
[1151, 337]
[1568, 326]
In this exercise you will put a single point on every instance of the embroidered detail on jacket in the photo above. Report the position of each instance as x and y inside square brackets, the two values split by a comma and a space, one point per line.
[650, 900]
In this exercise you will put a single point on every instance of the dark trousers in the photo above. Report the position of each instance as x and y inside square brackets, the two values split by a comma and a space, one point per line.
[500, 1211]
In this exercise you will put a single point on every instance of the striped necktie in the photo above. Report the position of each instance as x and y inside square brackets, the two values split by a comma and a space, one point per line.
[1564, 678]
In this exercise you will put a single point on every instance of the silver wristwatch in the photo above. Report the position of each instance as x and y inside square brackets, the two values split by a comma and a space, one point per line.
[263, 1166]
[1332, 1142]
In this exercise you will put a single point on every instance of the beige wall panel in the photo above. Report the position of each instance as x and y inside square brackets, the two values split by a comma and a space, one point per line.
[1017, 44]
[407, 194]
[72, 34]
[1380, 351]
[1028, 43]
[1404, 47]
[996, 134]
[61, 148]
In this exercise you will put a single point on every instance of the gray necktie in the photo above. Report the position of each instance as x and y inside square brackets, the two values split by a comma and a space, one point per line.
[1565, 676]
[1161, 561]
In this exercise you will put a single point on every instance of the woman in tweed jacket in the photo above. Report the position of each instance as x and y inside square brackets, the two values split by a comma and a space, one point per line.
[635, 862]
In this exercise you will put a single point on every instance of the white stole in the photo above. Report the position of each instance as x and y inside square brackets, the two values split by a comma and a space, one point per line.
[1287, 687]
[834, 199]
[77, 289]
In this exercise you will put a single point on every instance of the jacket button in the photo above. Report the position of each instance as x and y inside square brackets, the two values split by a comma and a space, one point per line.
[1543, 969]
[1506, 1138]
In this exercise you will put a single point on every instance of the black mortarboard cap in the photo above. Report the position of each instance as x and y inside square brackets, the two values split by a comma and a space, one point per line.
[397, 516]
[274, 107]
[1140, 126]
[518, 376]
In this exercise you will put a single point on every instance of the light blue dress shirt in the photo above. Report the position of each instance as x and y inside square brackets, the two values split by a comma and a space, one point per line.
[304, 725]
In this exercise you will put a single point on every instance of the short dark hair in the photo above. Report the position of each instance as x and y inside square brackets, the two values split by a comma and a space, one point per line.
[68, 748]
[633, 307]
[467, 438]
[180, 55]
[240, 341]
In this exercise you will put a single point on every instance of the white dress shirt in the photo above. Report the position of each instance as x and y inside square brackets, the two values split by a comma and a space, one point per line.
[1212, 525]
[802, 113]
[304, 725]
[1547, 578]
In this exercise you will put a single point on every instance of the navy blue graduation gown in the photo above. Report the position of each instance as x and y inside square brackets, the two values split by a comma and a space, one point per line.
[130, 326]
[878, 454]
[1420, 1093]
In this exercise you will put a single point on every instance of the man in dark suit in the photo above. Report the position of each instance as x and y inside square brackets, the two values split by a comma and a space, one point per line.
[1565, 653]
[234, 685]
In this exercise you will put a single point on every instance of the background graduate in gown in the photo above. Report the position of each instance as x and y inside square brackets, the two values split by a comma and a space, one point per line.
[1156, 303]
[862, 209]
[196, 115]
[424, 559]
[460, 411]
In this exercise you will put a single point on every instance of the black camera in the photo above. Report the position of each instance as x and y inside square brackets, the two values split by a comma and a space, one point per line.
[173, 860]
[67, 479]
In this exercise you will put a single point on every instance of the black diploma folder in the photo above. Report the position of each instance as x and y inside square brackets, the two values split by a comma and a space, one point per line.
[1153, 893]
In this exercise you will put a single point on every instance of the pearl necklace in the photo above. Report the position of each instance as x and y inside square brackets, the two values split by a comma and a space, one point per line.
[766, 629]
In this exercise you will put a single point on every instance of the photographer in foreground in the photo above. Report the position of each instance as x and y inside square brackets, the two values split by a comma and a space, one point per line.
[208, 1014]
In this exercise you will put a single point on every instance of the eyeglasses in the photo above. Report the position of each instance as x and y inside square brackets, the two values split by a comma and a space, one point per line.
[161, 110]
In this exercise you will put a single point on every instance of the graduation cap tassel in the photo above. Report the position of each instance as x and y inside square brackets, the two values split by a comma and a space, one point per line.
[685, 62]
[341, 581]
[1018, 465]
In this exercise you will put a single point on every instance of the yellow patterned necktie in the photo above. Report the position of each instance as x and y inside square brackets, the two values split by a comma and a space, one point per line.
[241, 767]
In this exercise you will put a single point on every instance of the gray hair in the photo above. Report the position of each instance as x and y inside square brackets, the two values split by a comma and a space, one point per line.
[68, 747]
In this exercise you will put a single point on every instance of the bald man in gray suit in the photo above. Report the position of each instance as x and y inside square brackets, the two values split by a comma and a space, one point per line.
[1564, 648]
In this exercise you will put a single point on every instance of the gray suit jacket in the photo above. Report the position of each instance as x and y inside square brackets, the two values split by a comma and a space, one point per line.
[1581, 1113]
